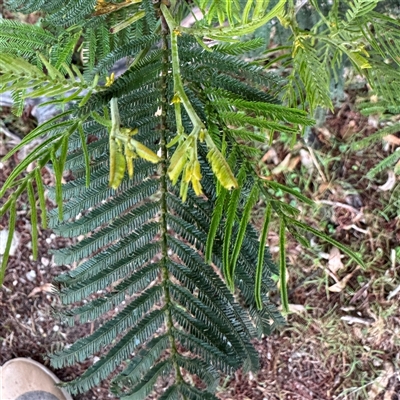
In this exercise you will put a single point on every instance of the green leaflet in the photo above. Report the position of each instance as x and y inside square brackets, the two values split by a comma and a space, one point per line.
[384, 164]
[11, 230]
[64, 56]
[32, 203]
[328, 239]
[230, 219]
[145, 386]
[260, 261]
[124, 24]
[222, 33]
[85, 153]
[215, 222]
[295, 193]
[251, 201]
[54, 73]
[58, 165]
[42, 199]
[58, 171]
[39, 131]
[18, 102]
[282, 266]
[40, 150]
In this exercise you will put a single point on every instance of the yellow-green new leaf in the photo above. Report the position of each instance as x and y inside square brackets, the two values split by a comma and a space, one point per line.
[144, 152]
[37, 154]
[117, 165]
[178, 161]
[53, 72]
[129, 21]
[58, 171]
[39, 131]
[221, 169]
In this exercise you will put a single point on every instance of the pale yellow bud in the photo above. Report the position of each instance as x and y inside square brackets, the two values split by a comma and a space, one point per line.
[144, 152]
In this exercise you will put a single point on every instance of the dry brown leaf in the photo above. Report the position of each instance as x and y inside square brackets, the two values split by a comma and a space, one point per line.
[271, 155]
[374, 98]
[389, 395]
[323, 187]
[391, 181]
[295, 308]
[47, 287]
[335, 262]
[306, 160]
[381, 381]
[293, 163]
[283, 166]
[325, 132]
[392, 139]
[339, 286]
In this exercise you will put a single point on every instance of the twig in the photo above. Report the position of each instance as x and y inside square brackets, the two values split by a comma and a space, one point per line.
[299, 5]
[316, 163]
[356, 228]
[6, 132]
[190, 20]
[357, 320]
[393, 293]
[338, 204]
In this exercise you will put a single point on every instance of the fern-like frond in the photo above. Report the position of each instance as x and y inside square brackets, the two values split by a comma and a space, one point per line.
[145, 386]
[314, 77]
[165, 311]
[236, 49]
[72, 12]
[357, 9]
[78, 290]
[119, 352]
[116, 252]
[134, 284]
[128, 317]
[384, 164]
[24, 40]
[142, 362]
[115, 207]
[19, 75]
[129, 50]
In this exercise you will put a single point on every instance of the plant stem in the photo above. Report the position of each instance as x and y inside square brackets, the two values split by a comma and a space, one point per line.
[164, 208]
[178, 85]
